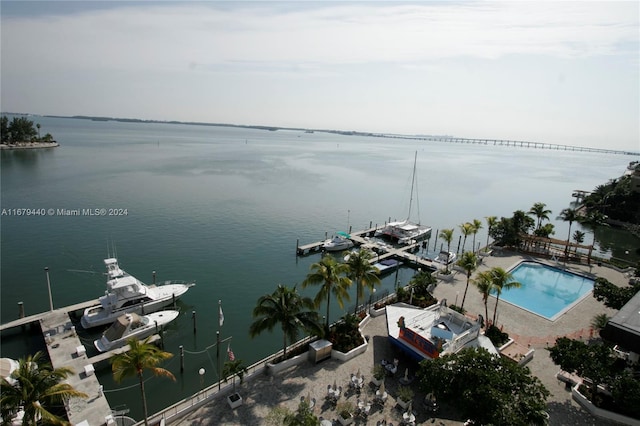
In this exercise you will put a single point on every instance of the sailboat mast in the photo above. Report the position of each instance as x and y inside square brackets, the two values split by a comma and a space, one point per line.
[413, 180]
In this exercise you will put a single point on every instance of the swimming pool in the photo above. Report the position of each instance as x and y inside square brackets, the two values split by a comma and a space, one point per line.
[546, 291]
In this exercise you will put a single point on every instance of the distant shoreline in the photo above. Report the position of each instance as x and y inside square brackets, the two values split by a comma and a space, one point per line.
[29, 145]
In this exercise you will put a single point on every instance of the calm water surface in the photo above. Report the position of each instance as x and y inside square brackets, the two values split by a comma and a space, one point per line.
[225, 207]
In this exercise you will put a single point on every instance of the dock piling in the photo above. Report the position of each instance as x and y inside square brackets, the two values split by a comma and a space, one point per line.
[193, 316]
[181, 359]
[46, 270]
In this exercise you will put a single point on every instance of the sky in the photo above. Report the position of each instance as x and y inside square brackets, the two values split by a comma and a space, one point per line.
[546, 71]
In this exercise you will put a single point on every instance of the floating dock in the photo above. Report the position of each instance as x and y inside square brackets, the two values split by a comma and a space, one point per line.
[404, 253]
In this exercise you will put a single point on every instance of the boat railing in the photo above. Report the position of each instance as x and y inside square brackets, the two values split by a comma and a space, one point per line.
[176, 282]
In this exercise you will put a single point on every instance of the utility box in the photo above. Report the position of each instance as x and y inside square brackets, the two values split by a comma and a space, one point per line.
[319, 350]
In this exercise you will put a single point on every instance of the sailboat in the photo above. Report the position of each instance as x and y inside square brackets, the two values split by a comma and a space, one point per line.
[406, 231]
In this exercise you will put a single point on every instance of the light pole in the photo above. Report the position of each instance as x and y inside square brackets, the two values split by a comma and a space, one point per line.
[46, 270]
[201, 373]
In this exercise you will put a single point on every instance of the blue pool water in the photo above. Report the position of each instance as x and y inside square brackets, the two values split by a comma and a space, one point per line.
[546, 291]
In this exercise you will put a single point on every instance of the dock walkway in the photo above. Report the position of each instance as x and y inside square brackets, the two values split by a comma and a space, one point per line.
[38, 317]
[404, 253]
[66, 350]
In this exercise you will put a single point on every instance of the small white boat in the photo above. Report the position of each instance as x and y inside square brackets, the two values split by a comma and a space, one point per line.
[338, 243]
[446, 257]
[386, 265]
[129, 326]
[126, 294]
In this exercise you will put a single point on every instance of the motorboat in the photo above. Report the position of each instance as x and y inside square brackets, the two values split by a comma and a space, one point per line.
[338, 243]
[446, 257]
[132, 325]
[386, 265]
[126, 294]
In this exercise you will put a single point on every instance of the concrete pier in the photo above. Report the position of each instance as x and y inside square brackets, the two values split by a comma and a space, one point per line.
[66, 350]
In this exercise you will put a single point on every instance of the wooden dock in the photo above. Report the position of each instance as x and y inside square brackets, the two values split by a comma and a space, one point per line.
[404, 253]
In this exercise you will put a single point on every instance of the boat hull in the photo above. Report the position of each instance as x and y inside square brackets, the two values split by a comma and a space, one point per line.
[96, 316]
[156, 320]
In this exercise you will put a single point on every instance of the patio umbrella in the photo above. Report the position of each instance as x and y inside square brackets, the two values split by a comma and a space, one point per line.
[335, 385]
[382, 388]
[410, 407]
[358, 373]
[406, 374]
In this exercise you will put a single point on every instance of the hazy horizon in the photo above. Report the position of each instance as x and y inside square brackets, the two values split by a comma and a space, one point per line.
[563, 73]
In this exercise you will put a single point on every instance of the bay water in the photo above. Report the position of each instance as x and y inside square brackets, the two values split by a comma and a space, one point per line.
[225, 206]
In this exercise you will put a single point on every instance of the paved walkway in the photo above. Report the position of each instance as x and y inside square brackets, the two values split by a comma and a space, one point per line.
[263, 393]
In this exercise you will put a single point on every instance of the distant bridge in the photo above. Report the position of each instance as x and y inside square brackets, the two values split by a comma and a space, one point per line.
[503, 142]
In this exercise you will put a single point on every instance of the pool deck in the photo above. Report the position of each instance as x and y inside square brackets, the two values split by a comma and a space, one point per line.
[263, 393]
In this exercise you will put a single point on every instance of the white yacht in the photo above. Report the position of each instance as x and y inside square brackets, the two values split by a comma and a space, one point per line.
[126, 294]
[446, 257]
[129, 326]
[338, 243]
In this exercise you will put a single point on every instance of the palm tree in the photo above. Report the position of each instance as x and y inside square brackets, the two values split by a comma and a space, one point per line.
[485, 287]
[232, 369]
[447, 235]
[578, 237]
[492, 221]
[141, 356]
[540, 212]
[594, 220]
[477, 225]
[599, 321]
[285, 306]
[466, 229]
[568, 215]
[469, 262]
[331, 276]
[501, 280]
[362, 272]
[36, 387]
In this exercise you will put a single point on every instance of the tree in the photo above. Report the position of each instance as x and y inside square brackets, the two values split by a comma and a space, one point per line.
[568, 215]
[477, 226]
[331, 276]
[594, 220]
[545, 230]
[594, 361]
[362, 272]
[233, 368]
[486, 388]
[614, 297]
[36, 387]
[469, 262]
[21, 130]
[466, 229]
[491, 223]
[447, 235]
[484, 282]
[599, 321]
[578, 237]
[285, 306]
[4, 129]
[501, 280]
[540, 211]
[141, 356]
